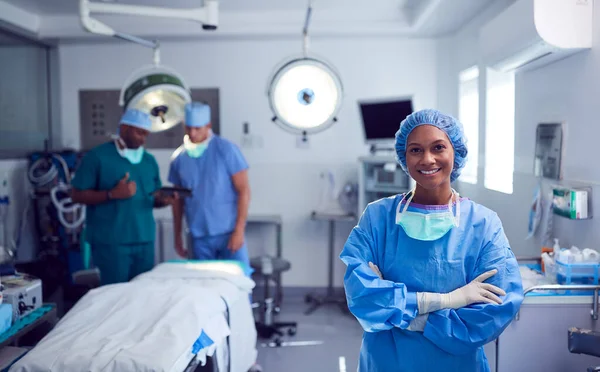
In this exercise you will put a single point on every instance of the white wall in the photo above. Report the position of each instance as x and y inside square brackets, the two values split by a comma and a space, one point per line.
[563, 91]
[284, 179]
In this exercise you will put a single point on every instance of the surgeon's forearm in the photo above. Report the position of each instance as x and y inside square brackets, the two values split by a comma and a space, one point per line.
[89, 197]
[243, 205]
[177, 208]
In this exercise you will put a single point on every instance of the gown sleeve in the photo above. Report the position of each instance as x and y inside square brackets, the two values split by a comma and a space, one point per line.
[378, 304]
[464, 330]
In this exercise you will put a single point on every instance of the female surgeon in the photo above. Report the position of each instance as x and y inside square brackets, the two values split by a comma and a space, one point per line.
[430, 276]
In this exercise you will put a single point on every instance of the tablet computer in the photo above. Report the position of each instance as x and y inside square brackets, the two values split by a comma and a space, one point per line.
[181, 191]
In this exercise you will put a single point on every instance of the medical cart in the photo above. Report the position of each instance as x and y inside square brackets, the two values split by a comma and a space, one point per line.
[538, 337]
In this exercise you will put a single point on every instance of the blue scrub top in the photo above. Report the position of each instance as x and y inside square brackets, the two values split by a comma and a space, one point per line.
[452, 340]
[212, 209]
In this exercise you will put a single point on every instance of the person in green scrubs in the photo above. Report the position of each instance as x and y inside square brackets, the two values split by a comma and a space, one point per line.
[119, 182]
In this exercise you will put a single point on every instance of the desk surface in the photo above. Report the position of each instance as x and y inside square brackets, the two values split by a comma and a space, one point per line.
[23, 326]
[332, 217]
[264, 218]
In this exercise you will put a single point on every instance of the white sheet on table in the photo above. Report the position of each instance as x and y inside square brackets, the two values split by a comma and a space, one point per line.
[531, 278]
[242, 340]
[149, 324]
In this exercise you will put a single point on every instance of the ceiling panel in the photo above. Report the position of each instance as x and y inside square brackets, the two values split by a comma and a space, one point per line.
[7, 39]
[446, 16]
[71, 6]
[451, 16]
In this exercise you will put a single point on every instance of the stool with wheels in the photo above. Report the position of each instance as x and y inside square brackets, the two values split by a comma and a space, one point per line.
[267, 267]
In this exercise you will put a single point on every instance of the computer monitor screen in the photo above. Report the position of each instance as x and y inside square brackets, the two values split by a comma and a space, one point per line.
[381, 119]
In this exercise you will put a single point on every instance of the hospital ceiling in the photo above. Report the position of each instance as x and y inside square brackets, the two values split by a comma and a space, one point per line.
[7, 39]
[58, 19]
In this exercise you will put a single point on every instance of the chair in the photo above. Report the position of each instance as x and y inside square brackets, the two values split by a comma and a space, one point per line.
[585, 341]
[267, 267]
[89, 278]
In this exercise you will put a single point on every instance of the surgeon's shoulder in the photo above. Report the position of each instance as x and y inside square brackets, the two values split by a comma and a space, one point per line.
[224, 143]
[150, 160]
[98, 152]
[102, 148]
[382, 207]
[149, 157]
[480, 216]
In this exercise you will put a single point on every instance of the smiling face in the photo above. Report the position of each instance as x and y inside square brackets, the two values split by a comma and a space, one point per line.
[429, 157]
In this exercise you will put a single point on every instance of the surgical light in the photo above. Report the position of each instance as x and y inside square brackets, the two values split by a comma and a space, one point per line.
[305, 93]
[158, 91]
[155, 89]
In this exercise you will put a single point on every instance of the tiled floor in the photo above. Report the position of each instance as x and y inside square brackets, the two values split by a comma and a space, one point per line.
[339, 333]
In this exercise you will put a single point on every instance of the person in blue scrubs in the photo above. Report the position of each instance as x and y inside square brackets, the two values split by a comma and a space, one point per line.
[217, 173]
[119, 183]
[430, 276]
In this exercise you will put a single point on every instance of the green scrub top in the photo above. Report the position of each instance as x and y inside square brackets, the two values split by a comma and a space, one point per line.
[128, 221]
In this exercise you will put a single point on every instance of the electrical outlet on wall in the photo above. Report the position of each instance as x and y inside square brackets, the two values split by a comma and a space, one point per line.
[250, 140]
[257, 141]
[247, 141]
[246, 137]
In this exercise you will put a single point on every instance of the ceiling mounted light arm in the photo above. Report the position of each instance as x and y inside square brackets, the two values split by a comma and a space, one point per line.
[305, 30]
[305, 93]
[208, 16]
[154, 89]
[138, 40]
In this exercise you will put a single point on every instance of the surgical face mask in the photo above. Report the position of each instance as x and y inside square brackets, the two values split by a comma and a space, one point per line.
[133, 155]
[195, 150]
[430, 226]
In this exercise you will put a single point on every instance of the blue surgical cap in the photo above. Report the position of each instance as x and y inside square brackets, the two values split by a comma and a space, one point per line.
[137, 118]
[448, 124]
[197, 114]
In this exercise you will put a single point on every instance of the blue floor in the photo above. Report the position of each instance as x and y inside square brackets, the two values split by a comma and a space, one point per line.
[339, 333]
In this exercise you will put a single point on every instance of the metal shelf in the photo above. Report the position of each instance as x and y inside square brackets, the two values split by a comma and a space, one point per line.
[383, 189]
[368, 189]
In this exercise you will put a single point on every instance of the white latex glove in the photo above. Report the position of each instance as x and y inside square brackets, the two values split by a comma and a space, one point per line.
[475, 292]
[375, 269]
[418, 323]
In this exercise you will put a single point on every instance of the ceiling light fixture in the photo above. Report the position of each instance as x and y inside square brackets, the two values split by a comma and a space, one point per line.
[305, 93]
[154, 89]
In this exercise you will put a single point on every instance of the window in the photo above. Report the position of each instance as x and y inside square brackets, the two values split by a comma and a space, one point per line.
[25, 118]
[500, 132]
[468, 114]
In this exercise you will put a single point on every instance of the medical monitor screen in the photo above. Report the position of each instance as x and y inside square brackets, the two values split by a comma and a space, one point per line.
[381, 119]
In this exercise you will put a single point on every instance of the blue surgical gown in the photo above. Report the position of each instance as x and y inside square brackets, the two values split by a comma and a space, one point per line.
[452, 340]
[212, 209]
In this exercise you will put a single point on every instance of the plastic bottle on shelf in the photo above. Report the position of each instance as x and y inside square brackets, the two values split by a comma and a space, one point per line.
[556, 248]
